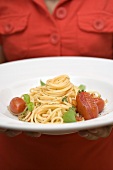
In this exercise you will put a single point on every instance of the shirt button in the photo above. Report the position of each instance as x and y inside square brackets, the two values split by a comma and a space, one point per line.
[98, 24]
[54, 38]
[8, 28]
[61, 13]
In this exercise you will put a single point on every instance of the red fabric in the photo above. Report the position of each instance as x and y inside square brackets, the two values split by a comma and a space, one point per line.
[0, 41]
[66, 152]
[76, 28]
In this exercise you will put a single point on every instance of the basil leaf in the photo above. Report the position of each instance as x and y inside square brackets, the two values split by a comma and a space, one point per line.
[64, 99]
[69, 116]
[82, 88]
[42, 83]
[73, 108]
[30, 106]
[26, 98]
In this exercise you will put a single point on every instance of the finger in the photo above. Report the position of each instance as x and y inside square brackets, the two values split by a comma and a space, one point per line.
[33, 134]
[2, 130]
[12, 133]
[88, 135]
[101, 132]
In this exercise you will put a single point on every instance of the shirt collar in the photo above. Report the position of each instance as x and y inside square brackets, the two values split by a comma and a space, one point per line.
[41, 2]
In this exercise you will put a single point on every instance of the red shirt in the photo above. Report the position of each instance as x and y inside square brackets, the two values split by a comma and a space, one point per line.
[76, 28]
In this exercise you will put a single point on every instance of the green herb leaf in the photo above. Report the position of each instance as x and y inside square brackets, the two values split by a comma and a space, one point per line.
[42, 83]
[64, 99]
[82, 88]
[30, 106]
[26, 98]
[69, 116]
[73, 108]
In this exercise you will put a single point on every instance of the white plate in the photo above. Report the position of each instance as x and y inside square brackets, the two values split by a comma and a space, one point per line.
[18, 77]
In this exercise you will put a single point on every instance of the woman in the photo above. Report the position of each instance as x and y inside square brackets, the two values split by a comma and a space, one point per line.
[37, 28]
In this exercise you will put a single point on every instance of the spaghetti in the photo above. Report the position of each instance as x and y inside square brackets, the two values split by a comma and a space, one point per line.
[51, 101]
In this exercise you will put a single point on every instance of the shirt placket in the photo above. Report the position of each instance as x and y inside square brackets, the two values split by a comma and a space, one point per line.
[59, 13]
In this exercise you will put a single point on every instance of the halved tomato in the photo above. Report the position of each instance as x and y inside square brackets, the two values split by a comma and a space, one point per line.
[86, 106]
[100, 103]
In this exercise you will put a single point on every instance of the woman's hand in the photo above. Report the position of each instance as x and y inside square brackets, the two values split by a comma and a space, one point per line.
[13, 133]
[94, 134]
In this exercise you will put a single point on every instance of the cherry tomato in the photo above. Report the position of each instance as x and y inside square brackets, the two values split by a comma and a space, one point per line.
[100, 103]
[17, 105]
[86, 106]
